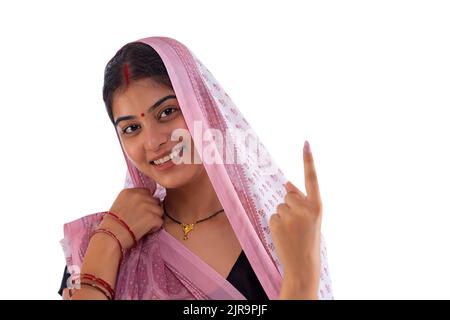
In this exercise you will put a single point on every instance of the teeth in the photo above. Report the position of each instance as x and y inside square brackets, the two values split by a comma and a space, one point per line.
[168, 157]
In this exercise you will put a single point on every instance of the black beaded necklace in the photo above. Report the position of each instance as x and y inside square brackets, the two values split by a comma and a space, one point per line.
[189, 226]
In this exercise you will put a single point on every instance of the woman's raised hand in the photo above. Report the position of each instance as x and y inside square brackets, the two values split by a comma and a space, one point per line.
[296, 229]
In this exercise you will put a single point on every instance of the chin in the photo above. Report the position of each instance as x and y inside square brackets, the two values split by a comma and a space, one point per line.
[178, 176]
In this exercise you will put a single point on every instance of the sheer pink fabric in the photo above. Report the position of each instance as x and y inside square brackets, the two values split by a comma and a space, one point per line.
[249, 190]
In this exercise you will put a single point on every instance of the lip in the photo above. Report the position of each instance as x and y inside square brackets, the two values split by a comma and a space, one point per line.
[164, 154]
[169, 164]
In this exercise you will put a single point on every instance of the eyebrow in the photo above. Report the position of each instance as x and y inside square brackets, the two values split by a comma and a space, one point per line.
[150, 109]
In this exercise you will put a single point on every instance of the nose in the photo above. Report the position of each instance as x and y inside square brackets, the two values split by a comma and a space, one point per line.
[154, 137]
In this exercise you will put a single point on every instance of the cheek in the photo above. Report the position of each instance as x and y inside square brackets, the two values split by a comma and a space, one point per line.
[134, 151]
[175, 127]
[180, 123]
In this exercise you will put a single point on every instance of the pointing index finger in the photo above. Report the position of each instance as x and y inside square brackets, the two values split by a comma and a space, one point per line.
[311, 183]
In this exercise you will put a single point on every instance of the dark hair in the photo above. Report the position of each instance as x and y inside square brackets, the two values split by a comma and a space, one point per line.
[134, 61]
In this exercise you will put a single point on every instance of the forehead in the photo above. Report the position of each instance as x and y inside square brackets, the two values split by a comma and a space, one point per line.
[138, 96]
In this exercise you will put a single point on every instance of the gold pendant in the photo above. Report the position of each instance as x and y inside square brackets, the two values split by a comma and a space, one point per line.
[186, 229]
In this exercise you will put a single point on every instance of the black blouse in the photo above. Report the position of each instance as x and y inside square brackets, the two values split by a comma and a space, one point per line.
[241, 276]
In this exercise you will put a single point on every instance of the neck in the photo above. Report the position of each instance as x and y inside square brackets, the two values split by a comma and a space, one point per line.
[194, 201]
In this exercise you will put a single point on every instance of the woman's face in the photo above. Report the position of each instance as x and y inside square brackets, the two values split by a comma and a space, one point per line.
[145, 115]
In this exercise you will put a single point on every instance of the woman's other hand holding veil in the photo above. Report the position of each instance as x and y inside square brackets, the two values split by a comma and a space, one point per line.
[139, 210]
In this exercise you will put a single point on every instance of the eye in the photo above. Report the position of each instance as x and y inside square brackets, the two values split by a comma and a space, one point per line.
[130, 129]
[165, 113]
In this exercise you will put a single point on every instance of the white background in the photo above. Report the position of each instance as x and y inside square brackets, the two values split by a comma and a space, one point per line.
[366, 82]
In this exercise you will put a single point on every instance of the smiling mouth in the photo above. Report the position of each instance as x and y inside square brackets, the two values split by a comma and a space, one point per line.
[176, 153]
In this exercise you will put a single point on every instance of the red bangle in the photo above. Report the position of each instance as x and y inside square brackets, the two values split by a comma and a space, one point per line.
[112, 235]
[124, 225]
[99, 281]
[99, 288]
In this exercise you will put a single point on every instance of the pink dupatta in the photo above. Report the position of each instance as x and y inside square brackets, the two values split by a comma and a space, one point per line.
[249, 190]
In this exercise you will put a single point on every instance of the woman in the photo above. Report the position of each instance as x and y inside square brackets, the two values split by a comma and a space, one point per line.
[205, 213]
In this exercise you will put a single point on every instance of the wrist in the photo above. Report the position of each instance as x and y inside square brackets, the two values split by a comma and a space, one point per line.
[294, 288]
[120, 232]
[102, 257]
[105, 245]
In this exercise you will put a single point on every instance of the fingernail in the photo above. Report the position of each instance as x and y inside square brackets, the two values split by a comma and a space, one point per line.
[306, 147]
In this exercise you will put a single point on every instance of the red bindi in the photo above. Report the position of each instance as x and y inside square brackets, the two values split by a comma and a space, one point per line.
[142, 114]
